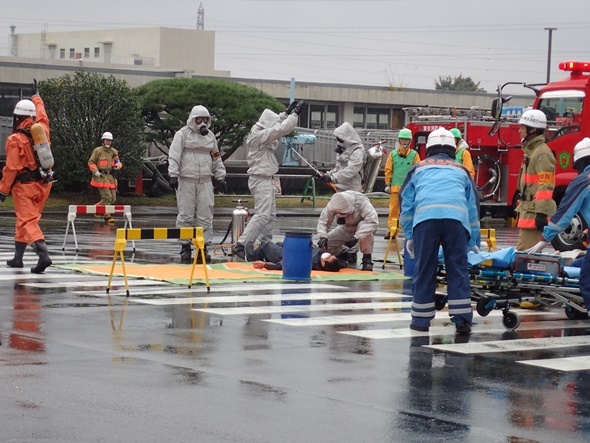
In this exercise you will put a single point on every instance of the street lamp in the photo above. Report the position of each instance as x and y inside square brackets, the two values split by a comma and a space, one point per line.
[549, 52]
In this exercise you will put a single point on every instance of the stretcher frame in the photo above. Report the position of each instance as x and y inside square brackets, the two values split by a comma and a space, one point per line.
[495, 288]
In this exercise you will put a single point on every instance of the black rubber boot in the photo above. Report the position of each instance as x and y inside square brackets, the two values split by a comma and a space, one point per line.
[367, 262]
[207, 257]
[40, 248]
[185, 253]
[19, 252]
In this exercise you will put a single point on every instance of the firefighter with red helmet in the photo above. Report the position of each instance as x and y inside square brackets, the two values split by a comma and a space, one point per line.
[398, 164]
[536, 180]
[103, 161]
[25, 178]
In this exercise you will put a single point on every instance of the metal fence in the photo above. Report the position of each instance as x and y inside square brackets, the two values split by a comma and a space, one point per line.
[322, 152]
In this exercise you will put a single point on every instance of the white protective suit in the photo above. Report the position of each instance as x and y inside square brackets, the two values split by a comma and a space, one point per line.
[195, 159]
[262, 142]
[346, 175]
[361, 221]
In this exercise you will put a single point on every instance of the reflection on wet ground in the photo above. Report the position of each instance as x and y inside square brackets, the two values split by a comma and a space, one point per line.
[305, 365]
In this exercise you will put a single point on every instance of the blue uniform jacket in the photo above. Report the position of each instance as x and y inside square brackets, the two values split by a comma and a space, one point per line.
[576, 199]
[440, 188]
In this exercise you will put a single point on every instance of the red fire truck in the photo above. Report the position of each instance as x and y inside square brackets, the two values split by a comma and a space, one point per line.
[492, 136]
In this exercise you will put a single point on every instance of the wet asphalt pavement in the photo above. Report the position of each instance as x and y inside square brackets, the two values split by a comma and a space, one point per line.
[292, 362]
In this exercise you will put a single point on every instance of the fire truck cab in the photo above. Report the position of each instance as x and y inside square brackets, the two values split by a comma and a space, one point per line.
[495, 146]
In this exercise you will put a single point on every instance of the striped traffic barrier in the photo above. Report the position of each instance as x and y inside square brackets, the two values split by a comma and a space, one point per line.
[196, 234]
[74, 210]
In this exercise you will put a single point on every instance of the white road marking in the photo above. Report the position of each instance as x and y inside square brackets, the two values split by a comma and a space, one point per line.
[95, 283]
[526, 344]
[567, 364]
[304, 308]
[377, 318]
[449, 329]
[269, 298]
[249, 287]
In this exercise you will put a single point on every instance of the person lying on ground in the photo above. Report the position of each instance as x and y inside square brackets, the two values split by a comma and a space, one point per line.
[270, 256]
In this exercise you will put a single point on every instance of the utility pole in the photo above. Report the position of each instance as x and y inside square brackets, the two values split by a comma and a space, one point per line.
[549, 52]
[201, 17]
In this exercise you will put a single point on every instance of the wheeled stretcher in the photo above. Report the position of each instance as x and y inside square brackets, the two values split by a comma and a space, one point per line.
[518, 276]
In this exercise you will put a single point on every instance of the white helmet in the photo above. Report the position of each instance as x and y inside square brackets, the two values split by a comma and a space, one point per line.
[534, 119]
[442, 137]
[582, 149]
[106, 136]
[25, 107]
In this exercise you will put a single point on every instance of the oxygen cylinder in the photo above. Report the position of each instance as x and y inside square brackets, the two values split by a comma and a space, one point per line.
[41, 146]
[371, 168]
[238, 221]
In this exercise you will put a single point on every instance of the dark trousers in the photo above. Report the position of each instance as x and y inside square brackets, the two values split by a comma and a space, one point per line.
[454, 238]
[585, 279]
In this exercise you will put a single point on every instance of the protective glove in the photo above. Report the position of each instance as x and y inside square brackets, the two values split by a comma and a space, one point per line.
[35, 88]
[538, 248]
[351, 242]
[174, 183]
[541, 221]
[222, 186]
[291, 107]
[473, 249]
[322, 243]
[326, 178]
[97, 174]
[387, 189]
[410, 248]
[298, 107]
[2, 197]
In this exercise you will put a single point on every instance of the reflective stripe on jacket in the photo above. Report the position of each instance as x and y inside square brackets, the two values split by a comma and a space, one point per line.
[103, 159]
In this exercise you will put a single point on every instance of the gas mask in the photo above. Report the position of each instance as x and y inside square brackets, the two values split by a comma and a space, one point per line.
[340, 148]
[203, 130]
[341, 220]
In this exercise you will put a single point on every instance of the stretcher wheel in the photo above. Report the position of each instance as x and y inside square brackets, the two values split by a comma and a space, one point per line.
[510, 320]
[440, 301]
[484, 306]
[574, 314]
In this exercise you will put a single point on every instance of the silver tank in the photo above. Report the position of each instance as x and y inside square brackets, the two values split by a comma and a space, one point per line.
[371, 168]
[239, 217]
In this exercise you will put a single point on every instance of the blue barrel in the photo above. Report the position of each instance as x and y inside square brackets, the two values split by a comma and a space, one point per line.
[409, 264]
[297, 256]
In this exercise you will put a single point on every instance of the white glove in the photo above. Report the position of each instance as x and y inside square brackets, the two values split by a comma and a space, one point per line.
[473, 249]
[97, 173]
[117, 166]
[410, 248]
[388, 189]
[538, 248]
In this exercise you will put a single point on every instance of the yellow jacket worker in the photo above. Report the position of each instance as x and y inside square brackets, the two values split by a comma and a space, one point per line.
[397, 166]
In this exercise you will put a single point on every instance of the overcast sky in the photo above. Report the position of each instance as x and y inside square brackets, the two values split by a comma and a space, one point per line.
[405, 43]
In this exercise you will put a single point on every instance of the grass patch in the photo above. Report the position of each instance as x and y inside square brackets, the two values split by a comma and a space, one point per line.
[61, 201]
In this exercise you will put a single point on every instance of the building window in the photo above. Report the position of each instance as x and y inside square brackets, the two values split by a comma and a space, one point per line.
[371, 118]
[358, 119]
[62, 53]
[96, 52]
[86, 52]
[72, 52]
